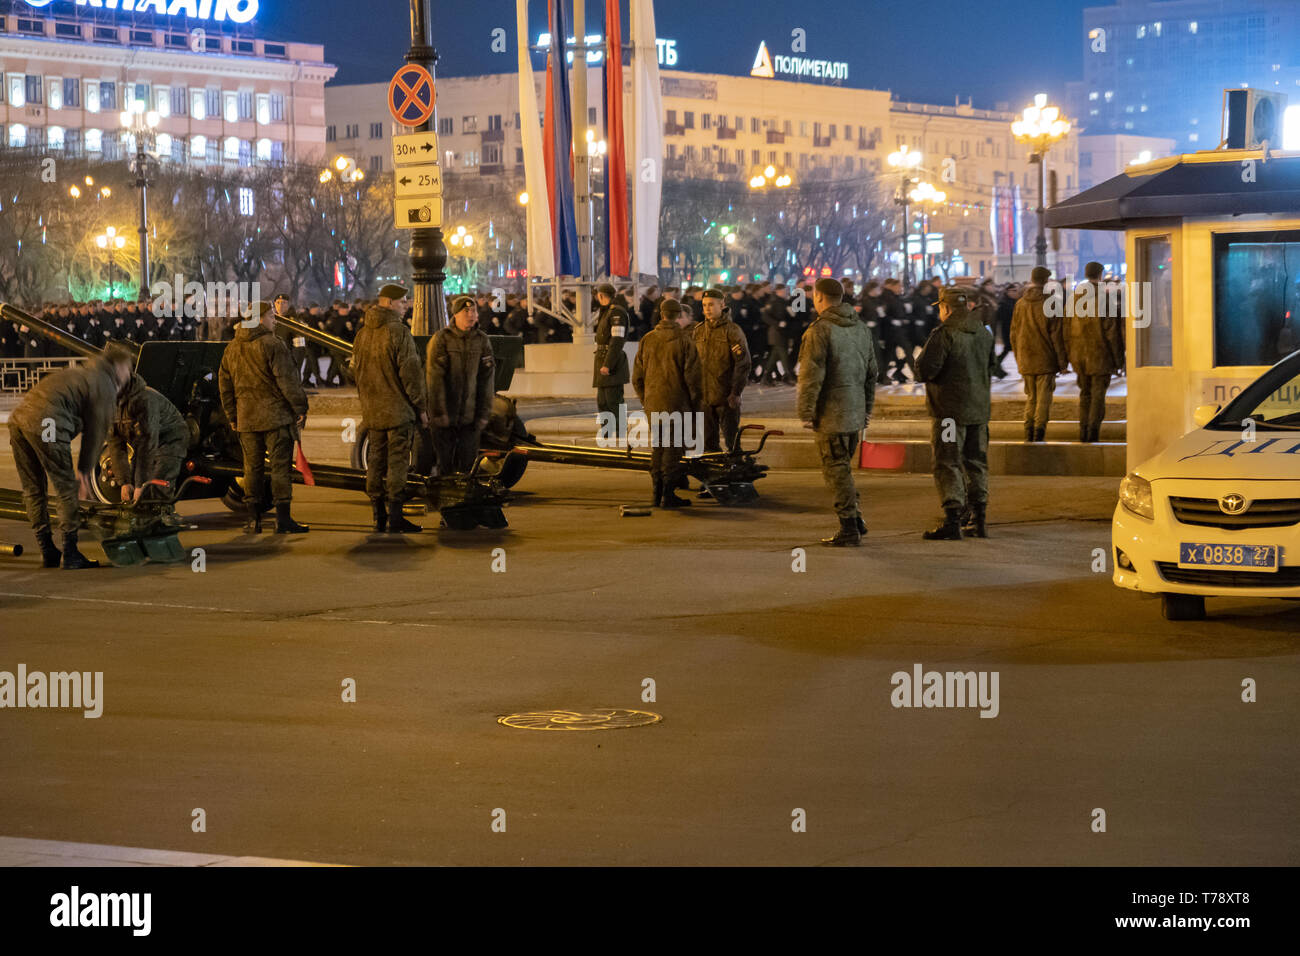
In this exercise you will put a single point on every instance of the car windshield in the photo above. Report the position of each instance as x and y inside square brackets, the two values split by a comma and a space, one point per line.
[1271, 401]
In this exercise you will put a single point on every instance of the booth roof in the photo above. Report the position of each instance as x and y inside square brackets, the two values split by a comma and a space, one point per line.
[1196, 185]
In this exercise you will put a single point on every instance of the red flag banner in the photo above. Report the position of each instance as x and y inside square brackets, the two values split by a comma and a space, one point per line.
[620, 252]
[300, 462]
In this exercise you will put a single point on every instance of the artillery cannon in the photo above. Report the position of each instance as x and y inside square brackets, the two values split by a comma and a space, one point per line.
[728, 475]
[186, 374]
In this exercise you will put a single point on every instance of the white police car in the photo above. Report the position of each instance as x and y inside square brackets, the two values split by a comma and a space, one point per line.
[1217, 513]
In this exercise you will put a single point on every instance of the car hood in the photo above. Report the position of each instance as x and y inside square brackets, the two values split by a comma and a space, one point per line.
[1206, 453]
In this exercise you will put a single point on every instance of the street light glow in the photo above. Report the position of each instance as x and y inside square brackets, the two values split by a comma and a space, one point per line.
[523, 199]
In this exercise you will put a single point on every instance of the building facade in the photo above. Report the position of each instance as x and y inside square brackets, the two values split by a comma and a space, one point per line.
[723, 127]
[1160, 68]
[224, 96]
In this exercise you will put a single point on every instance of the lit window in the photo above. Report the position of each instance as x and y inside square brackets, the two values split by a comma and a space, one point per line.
[1193, 137]
[55, 97]
[263, 150]
[94, 140]
[245, 201]
[1093, 95]
[54, 137]
[198, 147]
[263, 109]
[1109, 95]
[92, 97]
[17, 135]
[162, 100]
[164, 142]
[230, 110]
[198, 104]
[1158, 26]
[17, 89]
[1142, 30]
[231, 151]
[1193, 26]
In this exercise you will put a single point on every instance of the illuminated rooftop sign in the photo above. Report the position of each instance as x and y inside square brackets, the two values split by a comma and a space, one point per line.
[768, 66]
[235, 11]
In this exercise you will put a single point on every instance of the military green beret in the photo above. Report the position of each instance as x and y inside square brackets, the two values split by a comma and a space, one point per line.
[711, 294]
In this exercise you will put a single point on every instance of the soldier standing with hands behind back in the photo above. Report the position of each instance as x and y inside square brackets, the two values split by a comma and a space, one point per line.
[390, 384]
[264, 402]
[836, 393]
[957, 367]
[724, 365]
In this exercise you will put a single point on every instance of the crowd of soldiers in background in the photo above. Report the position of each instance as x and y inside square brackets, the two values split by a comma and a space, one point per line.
[769, 314]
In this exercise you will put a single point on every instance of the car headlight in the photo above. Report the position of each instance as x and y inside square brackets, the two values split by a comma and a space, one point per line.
[1135, 495]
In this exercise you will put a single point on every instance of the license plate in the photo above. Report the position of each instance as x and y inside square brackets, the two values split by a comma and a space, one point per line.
[1228, 557]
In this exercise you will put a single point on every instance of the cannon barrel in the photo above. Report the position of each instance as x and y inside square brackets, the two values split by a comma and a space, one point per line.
[58, 336]
[342, 346]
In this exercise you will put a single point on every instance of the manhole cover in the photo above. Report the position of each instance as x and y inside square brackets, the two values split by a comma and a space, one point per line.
[604, 719]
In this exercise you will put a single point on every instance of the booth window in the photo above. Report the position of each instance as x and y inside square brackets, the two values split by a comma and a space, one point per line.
[1256, 297]
[1155, 334]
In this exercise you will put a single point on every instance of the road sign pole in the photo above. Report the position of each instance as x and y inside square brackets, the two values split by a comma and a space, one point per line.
[428, 252]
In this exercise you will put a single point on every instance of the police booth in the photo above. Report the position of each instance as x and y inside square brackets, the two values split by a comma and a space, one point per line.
[1212, 291]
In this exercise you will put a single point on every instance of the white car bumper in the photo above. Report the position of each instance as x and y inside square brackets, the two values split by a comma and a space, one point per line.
[1150, 547]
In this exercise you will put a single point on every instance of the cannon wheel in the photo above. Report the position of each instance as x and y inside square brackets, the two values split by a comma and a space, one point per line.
[421, 451]
[108, 491]
[515, 465]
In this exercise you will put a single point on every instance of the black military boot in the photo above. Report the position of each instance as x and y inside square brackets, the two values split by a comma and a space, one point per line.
[669, 497]
[847, 537]
[285, 524]
[74, 560]
[381, 515]
[657, 482]
[50, 555]
[974, 526]
[862, 526]
[949, 530]
[397, 522]
[1040, 434]
[1029, 432]
[254, 523]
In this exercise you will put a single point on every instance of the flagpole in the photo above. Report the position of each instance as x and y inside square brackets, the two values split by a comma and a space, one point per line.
[581, 171]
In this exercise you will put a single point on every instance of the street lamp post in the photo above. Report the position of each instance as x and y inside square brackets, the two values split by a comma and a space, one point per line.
[906, 160]
[926, 196]
[141, 125]
[1040, 127]
[110, 240]
[428, 252]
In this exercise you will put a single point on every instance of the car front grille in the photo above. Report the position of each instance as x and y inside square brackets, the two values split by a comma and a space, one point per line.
[1281, 578]
[1264, 513]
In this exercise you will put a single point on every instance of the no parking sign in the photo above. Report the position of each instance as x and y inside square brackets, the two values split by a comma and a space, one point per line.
[411, 95]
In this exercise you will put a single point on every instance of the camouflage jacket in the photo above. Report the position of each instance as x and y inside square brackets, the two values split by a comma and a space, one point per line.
[386, 367]
[724, 359]
[460, 373]
[145, 422]
[666, 374]
[79, 401]
[837, 372]
[260, 391]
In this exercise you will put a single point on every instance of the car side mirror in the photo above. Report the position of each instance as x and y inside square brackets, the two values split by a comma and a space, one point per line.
[1204, 414]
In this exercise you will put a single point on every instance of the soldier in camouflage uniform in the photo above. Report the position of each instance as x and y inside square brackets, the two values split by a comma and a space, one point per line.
[957, 366]
[666, 376]
[390, 383]
[1095, 342]
[835, 397]
[156, 434]
[460, 376]
[264, 402]
[75, 401]
[724, 365]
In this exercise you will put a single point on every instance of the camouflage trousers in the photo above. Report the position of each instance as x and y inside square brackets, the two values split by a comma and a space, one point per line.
[1092, 402]
[837, 450]
[165, 465]
[1039, 390]
[961, 466]
[456, 448]
[40, 464]
[667, 449]
[257, 447]
[721, 422]
[388, 460]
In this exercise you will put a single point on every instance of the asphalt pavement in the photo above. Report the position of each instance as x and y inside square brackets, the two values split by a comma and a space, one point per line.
[223, 690]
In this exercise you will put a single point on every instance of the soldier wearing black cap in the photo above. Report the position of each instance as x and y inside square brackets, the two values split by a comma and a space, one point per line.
[611, 370]
[724, 364]
[390, 384]
[957, 367]
[264, 402]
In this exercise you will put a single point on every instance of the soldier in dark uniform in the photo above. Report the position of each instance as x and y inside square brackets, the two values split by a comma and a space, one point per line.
[872, 309]
[724, 365]
[390, 384]
[74, 401]
[156, 434]
[460, 375]
[610, 371]
[264, 402]
[666, 377]
[957, 367]
[778, 320]
[837, 392]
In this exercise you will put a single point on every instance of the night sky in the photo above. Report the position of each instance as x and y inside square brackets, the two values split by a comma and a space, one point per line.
[928, 51]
